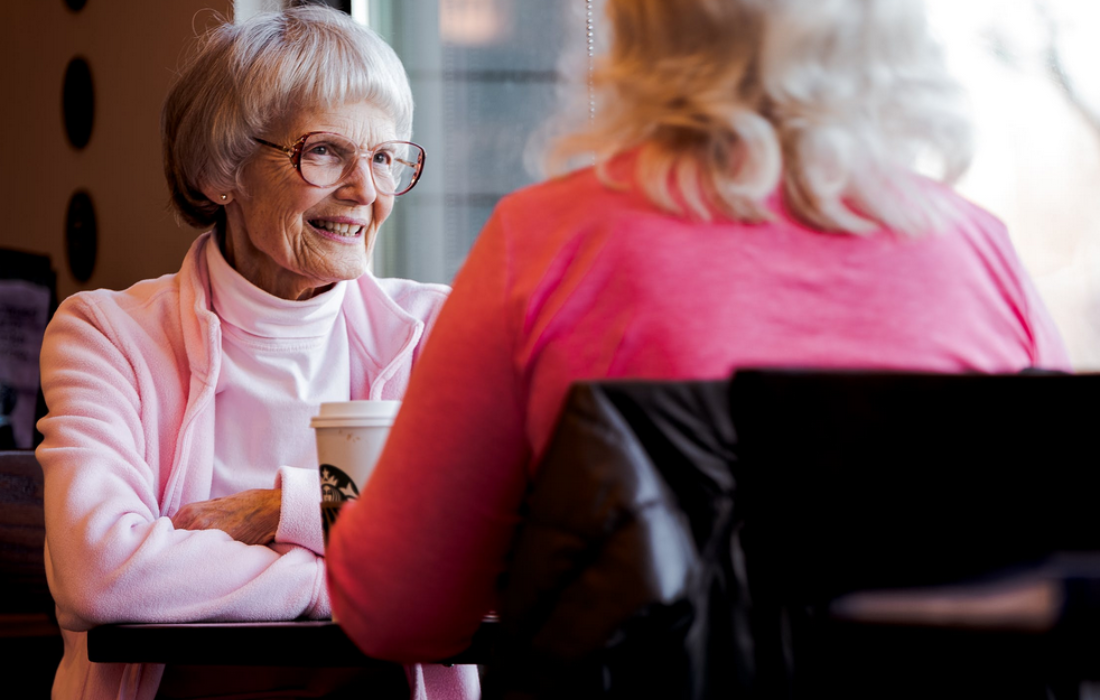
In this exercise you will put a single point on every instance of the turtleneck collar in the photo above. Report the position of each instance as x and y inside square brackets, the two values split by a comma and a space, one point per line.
[240, 303]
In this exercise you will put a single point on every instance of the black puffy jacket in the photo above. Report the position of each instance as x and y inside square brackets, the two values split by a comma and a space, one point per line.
[627, 577]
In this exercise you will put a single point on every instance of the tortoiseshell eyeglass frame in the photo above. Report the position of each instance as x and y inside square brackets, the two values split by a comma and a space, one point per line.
[294, 152]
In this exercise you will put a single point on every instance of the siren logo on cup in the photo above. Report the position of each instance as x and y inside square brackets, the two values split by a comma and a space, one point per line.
[336, 489]
[336, 485]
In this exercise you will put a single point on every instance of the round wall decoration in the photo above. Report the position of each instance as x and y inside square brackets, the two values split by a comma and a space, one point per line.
[78, 102]
[80, 236]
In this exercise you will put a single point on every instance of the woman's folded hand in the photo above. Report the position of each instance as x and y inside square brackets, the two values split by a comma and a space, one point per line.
[249, 516]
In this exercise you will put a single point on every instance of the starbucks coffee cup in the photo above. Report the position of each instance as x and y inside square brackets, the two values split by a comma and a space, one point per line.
[350, 436]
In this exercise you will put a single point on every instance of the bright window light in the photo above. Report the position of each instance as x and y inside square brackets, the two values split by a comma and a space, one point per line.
[360, 11]
[1029, 69]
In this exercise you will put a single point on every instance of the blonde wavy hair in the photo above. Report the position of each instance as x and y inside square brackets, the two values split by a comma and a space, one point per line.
[836, 100]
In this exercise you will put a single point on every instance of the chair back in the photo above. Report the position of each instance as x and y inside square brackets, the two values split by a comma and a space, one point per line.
[30, 640]
[23, 586]
[855, 481]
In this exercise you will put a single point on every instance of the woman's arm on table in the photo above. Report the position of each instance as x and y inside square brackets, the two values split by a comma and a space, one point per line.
[413, 564]
[286, 514]
[112, 555]
[250, 516]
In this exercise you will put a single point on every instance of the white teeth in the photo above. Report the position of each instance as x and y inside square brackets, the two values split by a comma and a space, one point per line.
[337, 228]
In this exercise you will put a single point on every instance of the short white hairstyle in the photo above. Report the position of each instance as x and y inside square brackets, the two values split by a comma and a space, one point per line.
[835, 100]
[241, 79]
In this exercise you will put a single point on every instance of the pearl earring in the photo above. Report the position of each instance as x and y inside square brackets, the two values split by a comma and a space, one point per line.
[225, 197]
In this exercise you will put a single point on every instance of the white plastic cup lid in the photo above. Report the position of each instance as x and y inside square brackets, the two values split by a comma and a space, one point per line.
[350, 413]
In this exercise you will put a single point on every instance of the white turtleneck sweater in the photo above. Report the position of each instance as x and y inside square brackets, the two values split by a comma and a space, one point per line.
[281, 360]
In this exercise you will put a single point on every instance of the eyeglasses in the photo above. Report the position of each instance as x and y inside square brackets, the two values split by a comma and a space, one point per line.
[324, 159]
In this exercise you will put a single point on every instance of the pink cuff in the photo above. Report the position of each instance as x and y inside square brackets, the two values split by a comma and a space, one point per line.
[300, 514]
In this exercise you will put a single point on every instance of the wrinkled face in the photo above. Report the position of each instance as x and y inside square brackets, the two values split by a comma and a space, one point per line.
[295, 240]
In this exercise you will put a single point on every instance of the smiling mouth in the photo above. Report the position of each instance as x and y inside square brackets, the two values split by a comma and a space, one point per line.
[349, 230]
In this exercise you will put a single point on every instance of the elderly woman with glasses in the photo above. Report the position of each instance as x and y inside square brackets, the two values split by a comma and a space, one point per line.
[180, 467]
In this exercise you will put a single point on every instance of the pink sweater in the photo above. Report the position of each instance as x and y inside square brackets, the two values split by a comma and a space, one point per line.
[129, 378]
[571, 280]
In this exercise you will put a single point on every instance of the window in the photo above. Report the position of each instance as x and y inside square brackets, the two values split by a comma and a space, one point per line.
[485, 74]
[1028, 67]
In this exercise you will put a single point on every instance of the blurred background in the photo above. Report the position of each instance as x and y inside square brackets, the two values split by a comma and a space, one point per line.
[87, 204]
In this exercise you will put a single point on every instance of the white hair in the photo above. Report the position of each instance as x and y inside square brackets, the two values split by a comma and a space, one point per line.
[726, 100]
[243, 78]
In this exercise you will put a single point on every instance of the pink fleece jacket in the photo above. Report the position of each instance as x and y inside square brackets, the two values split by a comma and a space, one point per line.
[572, 280]
[129, 378]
